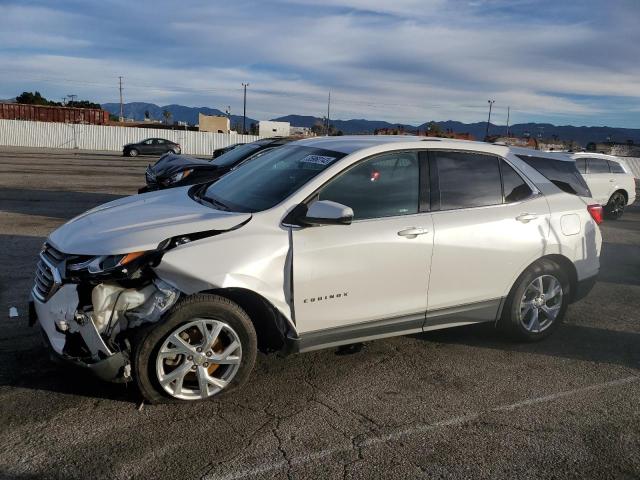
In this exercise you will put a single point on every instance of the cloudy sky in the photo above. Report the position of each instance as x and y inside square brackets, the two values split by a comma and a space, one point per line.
[559, 61]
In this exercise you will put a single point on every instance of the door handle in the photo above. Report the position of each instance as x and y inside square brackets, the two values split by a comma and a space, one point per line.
[412, 232]
[526, 217]
[611, 180]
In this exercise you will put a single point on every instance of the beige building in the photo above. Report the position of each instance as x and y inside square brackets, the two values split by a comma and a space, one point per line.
[213, 123]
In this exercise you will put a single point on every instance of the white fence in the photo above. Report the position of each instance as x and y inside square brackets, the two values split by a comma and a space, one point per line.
[21, 133]
[634, 165]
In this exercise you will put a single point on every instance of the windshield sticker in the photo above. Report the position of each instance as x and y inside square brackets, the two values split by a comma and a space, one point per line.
[318, 159]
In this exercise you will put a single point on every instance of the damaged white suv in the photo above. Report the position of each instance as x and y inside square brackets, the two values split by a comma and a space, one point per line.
[322, 242]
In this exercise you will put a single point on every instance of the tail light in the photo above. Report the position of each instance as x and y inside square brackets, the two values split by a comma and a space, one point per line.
[596, 213]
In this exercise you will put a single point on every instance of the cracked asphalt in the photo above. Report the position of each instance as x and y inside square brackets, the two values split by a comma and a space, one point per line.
[460, 403]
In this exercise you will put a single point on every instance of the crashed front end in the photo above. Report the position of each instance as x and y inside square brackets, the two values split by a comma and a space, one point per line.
[90, 306]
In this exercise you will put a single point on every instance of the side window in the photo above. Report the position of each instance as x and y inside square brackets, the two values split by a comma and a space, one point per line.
[515, 188]
[597, 165]
[581, 163]
[148, 142]
[383, 186]
[615, 167]
[160, 141]
[468, 180]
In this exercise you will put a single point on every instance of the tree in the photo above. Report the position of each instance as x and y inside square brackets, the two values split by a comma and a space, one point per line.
[83, 104]
[166, 114]
[34, 98]
[434, 129]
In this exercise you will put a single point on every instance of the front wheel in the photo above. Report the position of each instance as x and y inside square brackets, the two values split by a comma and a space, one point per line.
[537, 302]
[133, 152]
[615, 207]
[206, 346]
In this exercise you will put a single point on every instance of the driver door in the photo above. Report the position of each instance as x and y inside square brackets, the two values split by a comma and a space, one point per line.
[376, 268]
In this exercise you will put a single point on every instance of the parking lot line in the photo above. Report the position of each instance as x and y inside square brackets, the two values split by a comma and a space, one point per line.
[418, 429]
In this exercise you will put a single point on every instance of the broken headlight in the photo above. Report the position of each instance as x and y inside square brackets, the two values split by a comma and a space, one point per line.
[101, 266]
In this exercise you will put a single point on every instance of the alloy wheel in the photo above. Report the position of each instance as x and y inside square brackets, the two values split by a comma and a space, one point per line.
[541, 303]
[198, 359]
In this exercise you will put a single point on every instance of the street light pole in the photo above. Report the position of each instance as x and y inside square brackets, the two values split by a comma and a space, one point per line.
[244, 114]
[491, 102]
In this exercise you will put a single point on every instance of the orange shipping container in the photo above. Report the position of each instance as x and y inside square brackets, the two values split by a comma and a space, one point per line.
[39, 113]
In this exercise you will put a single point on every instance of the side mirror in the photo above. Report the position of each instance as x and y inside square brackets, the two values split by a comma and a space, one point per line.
[326, 212]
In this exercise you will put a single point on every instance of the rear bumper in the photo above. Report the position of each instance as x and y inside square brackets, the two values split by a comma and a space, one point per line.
[583, 287]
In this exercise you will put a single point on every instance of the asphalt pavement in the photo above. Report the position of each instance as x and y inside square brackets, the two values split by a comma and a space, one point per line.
[460, 403]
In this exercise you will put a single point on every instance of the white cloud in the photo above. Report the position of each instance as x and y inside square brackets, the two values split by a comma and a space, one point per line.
[407, 60]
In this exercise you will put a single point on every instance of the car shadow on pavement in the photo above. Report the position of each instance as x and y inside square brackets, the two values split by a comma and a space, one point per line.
[620, 263]
[570, 341]
[51, 203]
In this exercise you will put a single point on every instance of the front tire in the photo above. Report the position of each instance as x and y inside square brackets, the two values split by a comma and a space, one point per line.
[205, 347]
[537, 302]
[615, 207]
[133, 152]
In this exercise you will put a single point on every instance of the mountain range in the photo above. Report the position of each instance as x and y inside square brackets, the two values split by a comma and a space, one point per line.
[581, 135]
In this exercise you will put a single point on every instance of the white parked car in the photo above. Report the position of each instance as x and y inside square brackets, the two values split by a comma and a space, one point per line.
[610, 180]
[325, 242]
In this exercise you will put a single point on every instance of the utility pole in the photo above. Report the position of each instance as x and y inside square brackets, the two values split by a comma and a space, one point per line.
[73, 121]
[244, 114]
[328, 112]
[121, 104]
[508, 114]
[491, 102]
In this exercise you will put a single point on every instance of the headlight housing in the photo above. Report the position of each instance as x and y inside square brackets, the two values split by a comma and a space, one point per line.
[101, 265]
[176, 177]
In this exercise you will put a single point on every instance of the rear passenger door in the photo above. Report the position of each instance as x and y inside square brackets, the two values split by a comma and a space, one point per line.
[599, 179]
[489, 224]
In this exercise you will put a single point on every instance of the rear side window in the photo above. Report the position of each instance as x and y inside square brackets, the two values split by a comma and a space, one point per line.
[581, 163]
[468, 180]
[563, 174]
[615, 167]
[515, 188]
[597, 165]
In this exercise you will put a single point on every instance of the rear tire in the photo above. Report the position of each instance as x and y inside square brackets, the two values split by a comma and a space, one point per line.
[174, 151]
[615, 206]
[537, 302]
[133, 152]
[185, 369]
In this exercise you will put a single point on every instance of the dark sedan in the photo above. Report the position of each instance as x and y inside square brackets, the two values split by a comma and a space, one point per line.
[150, 146]
[179, 170]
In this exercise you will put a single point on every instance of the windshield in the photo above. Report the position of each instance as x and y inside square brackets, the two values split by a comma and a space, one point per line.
[257, 186]
[236, 154]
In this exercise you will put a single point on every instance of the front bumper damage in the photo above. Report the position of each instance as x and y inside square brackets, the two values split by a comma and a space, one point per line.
[91, 336]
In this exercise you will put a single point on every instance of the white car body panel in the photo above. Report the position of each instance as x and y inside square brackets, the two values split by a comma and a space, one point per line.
[139, 223]
[345, 274]
[469, 240]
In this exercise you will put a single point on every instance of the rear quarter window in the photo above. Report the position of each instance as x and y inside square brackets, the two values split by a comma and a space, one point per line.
[615, 167]
[562, 173]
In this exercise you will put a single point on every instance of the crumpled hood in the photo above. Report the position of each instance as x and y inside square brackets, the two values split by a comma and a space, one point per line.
[171, 163]
[140, 222]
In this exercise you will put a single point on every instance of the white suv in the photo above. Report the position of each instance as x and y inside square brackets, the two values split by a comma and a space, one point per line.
[319, 243]
[610, 180]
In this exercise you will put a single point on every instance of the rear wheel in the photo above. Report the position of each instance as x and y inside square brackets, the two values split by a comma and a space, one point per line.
[133, 152]
[615, 207]
[174, 151]
[537, 302]
[204, 348]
